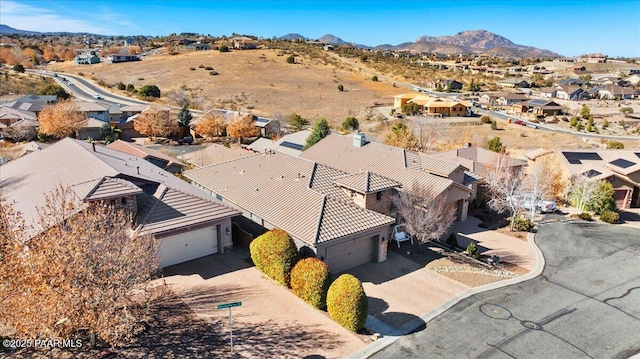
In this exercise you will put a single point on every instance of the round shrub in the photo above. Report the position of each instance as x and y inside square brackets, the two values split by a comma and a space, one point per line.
[213, 73]
[340, 88]
[472, 249]
[149, 91]
[347, 303]
[374, 78]
[610, 217]
[522, 224]
[310, 281]
[485, 119]
[584, 216]
[274, 254]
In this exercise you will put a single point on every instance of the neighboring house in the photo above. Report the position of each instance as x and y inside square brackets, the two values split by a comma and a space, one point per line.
[127, 128]
[87, 58]
[455, 85]
[569, 92]
[128, 41]
[131, 110]
[94, 110]
[633, 80]
[354, 154]
[402, 99]
[244, 43]
[187, 222]
[543, 107]
[510, 98]
[9, 115]
[513, 83]
[611, 92]
[91, 129]
[213, 154]
[329, 213]
[290, 144]
[31, 103]
[198, 46]
[478, 162]
[620, 167]
[167, 163]
[571, 82]
[442, 107]
[548, 92]
[268, 127]
[115, 58]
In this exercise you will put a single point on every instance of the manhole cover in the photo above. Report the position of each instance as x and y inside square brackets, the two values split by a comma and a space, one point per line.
[531, 325]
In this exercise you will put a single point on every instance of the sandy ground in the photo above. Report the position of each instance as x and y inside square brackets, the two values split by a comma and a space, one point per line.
[259, 80]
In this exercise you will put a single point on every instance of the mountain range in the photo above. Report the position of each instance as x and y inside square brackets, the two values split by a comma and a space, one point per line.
[465, 42]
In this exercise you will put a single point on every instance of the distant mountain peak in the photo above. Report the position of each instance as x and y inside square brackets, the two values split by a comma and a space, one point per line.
[477, 41]
[331, 39]
[292, 36]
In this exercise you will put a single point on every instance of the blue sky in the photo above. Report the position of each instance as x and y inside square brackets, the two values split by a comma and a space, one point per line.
[565, 26]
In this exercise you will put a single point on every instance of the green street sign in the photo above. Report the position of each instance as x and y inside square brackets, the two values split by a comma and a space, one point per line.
[229, 305]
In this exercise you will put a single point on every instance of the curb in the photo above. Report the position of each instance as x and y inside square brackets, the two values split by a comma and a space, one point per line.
[411, 326]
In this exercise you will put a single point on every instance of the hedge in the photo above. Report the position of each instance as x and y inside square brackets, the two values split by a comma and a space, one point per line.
[274, 254]
[310, 281]
[347, 303]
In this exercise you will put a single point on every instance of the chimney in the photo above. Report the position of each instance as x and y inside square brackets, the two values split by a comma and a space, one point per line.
[93, 144]
[359, 139]
[467, 145]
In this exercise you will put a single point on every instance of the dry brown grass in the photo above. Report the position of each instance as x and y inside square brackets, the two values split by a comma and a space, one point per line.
[259, 78]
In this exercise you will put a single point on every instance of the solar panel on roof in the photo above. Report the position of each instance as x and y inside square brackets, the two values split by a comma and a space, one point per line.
[292, 145]
[262, 119]
[577, 157]
[622, 163]
[638, 154]
[591, 173]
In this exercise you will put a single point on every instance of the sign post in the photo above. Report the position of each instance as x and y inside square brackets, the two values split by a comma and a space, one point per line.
[229, 306]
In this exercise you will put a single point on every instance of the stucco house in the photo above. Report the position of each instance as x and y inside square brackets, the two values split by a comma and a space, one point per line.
[187, 221]
[167, 163]
[87, 58]
[569, 92]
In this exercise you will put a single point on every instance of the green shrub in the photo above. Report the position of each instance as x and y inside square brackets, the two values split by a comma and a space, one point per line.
[585, 216]
[494, 125]
[310, 281]
[149, 91]
[209, 68]
[452, 240]
[522, 224]
[121, 86]
[610, 217]
[485, 119]
[131, 88]
[223, 48]
[274, 254]
[347, 303]
[340, 88]
[374, 78]
[291, 59]
[472, 249]
[18, 68]
[213, 73]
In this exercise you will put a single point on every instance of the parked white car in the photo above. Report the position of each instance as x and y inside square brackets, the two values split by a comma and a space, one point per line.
[526, 201]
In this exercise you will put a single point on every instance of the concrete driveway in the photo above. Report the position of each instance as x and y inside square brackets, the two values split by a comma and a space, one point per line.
[583, 305]
[271, 323]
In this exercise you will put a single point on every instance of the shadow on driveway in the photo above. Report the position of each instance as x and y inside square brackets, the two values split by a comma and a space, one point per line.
[212, 265]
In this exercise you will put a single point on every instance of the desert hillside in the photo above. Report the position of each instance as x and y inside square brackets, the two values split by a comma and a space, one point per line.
[259, 80]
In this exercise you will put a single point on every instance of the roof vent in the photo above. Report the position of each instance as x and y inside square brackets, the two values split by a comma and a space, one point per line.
[467, 145]
[359, 139]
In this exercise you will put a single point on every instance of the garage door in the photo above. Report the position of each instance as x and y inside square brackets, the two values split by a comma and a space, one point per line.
[350, 254]
[186, 246]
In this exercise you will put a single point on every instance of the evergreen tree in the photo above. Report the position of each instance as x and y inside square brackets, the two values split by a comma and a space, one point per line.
[184, 117]
[320, 130]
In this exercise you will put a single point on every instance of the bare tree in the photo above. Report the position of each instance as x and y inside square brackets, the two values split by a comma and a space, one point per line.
[21, 133]
[425, 213]
[78, 268]
[582, 192]
[60, 119]
[539, 183]
[505, 184]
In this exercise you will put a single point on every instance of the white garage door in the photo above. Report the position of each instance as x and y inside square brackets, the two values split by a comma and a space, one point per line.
[350, 254]
[186, 246]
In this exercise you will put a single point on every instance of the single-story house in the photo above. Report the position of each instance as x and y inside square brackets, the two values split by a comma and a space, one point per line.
[115, 58]
[355, 154]
[244, 43]
[268, 127]
[611, 92]
[512, 82]
[327, 212]
[290, 144]
[478, 162]
[167, 163]
[131, 110]
[442, 107]
[620, 167]
[510, 98]
[571, 82]
[9, 115]
[402, 99]
[569, 92]
[541, 107]
[548, 92]
[187, 221]
[213, 154]
[198, 46]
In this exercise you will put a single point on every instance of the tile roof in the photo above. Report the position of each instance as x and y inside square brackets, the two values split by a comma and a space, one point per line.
[143, 152]
[86, 106]
[607, 163]
[391, 162]
[291, 193]
[110, 187]
[14, 113]
[168, 209]
[476, 159]
[290, 144]
[533, 154]
[366, 182]
[214, 154]
[77, 165]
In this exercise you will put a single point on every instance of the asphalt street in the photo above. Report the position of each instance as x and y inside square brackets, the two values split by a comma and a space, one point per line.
[585, 304]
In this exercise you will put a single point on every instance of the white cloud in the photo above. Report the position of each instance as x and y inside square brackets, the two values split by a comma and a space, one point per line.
[27, 17]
